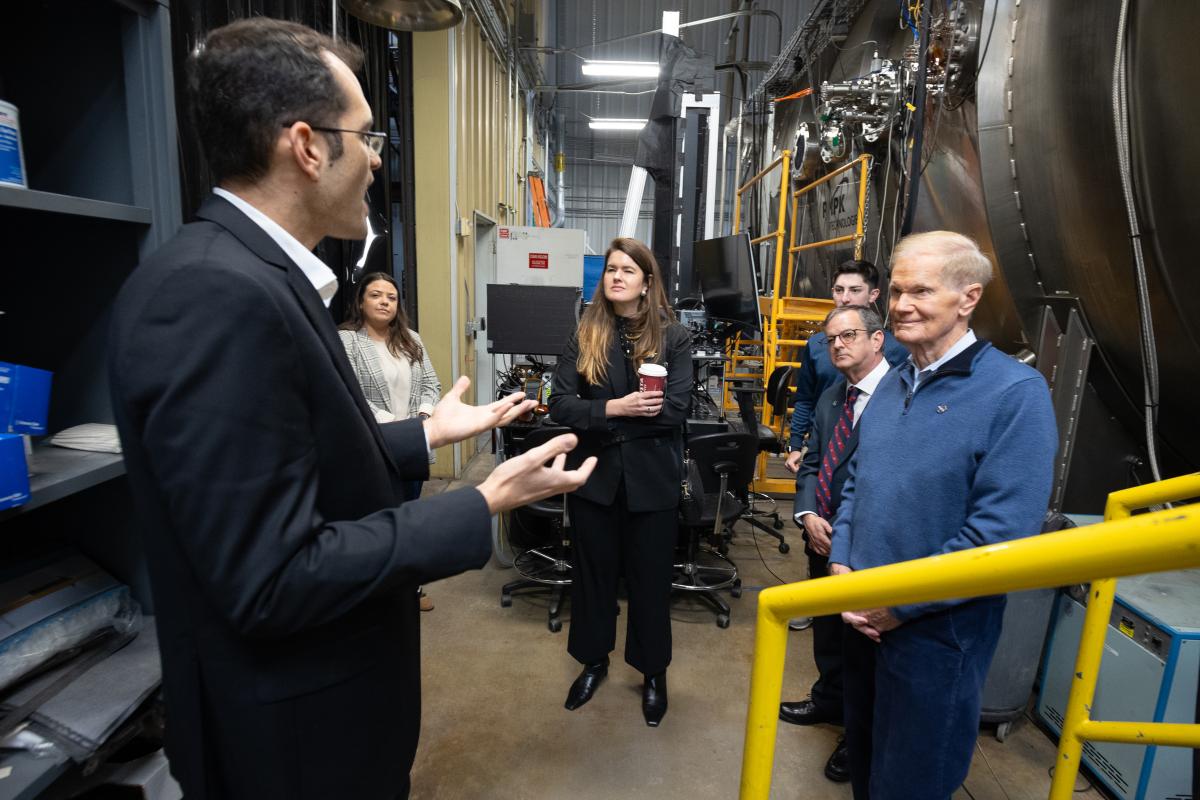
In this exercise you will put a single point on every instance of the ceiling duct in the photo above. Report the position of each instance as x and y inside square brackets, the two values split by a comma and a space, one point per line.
[407, 15]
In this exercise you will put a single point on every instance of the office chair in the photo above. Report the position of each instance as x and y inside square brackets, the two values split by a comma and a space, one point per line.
[767, 440]
[724, 461]
[545, 568]
[779, 395]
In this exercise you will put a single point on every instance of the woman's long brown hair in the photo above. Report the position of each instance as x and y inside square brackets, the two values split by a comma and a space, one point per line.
[400, 341]
[645, 327]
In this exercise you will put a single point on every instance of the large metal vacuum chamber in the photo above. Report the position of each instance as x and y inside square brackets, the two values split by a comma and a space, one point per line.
[1020, 151]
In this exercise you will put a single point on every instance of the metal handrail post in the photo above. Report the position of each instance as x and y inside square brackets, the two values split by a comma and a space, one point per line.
[770, 346]
[791, 274]
[862, 210]
[1083, 686]
[766, 689]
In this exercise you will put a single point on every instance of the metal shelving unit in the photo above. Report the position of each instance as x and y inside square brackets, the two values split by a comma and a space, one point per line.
[57, 472]
[32, 200]
[94, 86]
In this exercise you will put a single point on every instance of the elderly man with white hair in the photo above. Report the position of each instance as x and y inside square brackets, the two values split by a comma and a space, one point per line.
[956, 453]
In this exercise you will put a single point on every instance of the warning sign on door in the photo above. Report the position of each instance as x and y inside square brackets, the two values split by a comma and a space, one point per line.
[539, 261]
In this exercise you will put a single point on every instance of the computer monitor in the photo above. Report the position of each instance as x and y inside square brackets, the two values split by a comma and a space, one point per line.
[728, 280]
[531, 320]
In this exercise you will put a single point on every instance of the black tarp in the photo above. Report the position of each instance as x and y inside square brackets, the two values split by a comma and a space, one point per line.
[681, 69]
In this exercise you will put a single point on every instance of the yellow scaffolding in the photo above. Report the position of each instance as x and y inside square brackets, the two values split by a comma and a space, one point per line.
[789, 320]
[1121, 545]
[760, 366]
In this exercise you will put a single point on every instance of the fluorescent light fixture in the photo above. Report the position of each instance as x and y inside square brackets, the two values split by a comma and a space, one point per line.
[617, 124]
[624, 69]
[671, 23]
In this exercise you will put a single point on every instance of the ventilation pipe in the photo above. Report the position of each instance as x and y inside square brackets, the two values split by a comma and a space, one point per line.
[560, 167]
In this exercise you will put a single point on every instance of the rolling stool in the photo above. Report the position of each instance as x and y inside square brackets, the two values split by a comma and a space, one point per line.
[546, 568]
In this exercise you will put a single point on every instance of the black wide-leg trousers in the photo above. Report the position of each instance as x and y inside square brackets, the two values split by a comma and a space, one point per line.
[610, 541]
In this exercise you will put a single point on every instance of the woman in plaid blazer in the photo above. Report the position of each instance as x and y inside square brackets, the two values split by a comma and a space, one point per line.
[390, 362]
[389, 359]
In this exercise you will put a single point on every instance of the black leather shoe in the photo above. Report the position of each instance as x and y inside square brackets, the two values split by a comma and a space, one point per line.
[837, 768]
[805, 712]
[586, 684]
[654, 698]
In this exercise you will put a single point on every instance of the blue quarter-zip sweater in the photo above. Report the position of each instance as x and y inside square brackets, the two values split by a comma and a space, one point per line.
[965, 460]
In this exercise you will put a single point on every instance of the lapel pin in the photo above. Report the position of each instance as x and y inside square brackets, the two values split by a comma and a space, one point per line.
[943, 408]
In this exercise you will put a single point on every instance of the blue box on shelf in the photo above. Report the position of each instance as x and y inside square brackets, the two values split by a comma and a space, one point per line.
[24, 399]
[14, 473]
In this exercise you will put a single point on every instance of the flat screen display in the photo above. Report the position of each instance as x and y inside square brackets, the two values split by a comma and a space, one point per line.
[531, 320]
[727, 279]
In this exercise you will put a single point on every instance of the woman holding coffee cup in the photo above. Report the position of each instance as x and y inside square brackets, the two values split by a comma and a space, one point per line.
[623, 385]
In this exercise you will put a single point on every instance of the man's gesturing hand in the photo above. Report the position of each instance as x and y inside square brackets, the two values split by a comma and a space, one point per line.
[453, 420]
[526, 477]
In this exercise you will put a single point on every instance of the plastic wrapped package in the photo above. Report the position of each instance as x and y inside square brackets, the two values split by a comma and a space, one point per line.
[55, 609]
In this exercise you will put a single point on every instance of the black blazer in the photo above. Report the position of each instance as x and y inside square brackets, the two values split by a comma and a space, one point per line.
[645, 452]
[283, 567]
[825, 416]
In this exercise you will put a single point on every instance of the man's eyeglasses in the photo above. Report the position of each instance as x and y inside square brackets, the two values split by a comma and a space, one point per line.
[847, 337]
[374, 140]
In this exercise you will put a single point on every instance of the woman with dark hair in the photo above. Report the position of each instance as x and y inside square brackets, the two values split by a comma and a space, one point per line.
[390, 361]
[624, 517]
[389, 358]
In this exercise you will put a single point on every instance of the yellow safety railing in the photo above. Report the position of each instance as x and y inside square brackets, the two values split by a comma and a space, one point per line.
[1078, 727]
[1122, 545]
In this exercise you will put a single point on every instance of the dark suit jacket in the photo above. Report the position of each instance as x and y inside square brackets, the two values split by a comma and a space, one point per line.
[825, 416]
[645, 452]
[283, 568]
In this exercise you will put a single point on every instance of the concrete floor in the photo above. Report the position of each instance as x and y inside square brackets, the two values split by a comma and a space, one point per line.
[495, 679]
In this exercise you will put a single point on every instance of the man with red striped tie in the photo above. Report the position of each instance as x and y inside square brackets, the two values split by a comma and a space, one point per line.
[855, 341]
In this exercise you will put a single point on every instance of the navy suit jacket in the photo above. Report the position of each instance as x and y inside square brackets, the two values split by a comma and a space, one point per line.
[283, 566]
[825, 416]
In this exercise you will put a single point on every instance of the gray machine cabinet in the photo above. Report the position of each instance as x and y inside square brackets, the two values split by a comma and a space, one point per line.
[1148, 673]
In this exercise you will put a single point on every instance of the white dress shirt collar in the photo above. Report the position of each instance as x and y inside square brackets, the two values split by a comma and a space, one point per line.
[867, 385]
[318, 274]
[964, 341]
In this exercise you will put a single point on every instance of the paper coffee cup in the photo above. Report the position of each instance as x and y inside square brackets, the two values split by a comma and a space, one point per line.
[652, 377]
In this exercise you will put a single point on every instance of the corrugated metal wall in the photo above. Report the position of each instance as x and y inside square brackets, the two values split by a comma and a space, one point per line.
[488, 166]
[490, 162]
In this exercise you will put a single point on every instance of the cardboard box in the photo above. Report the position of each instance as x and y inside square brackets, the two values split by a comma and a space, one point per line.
[24, 399]
[14, 473]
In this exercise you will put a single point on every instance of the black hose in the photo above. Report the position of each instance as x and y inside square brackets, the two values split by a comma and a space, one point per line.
[914, 171]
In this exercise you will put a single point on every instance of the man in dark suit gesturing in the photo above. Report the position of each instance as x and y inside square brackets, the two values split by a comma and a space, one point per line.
[856, 342]
[283, 566]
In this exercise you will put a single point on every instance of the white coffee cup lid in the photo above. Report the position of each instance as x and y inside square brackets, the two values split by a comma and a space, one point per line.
[653, 370]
